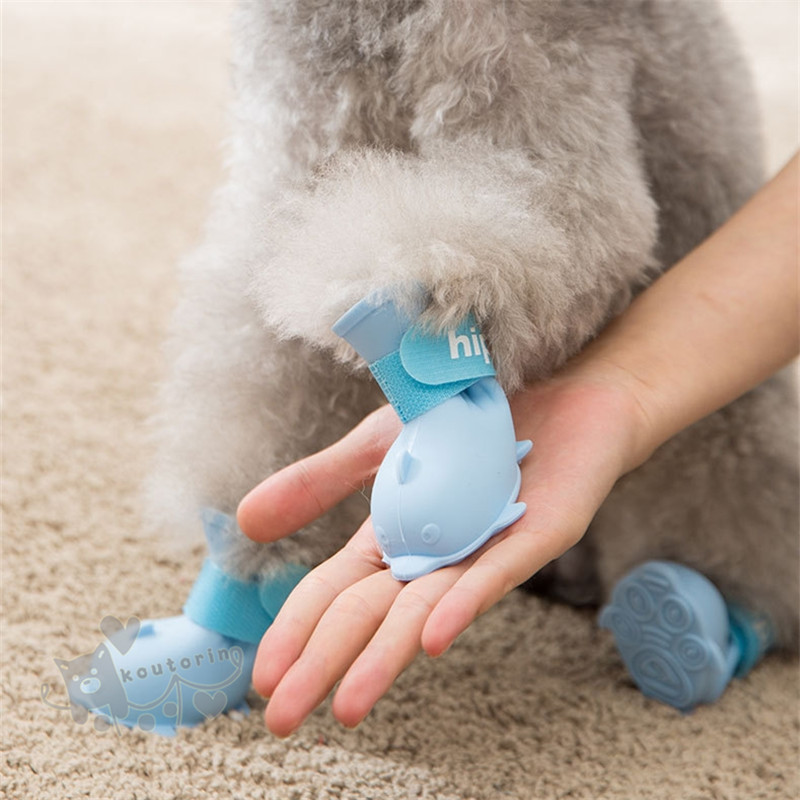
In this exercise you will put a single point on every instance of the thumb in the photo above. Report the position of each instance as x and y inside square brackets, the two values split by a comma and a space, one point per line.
[303, 491]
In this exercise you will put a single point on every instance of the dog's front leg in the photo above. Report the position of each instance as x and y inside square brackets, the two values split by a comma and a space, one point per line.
[542, 253]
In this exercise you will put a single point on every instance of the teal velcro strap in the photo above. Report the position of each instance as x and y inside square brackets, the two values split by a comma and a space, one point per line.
[429, 369]
[240, 609]
[753, 632]
[456, 355]
[409, 397]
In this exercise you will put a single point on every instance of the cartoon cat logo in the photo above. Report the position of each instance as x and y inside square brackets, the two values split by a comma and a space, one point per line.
[128, 680]
[92, 684]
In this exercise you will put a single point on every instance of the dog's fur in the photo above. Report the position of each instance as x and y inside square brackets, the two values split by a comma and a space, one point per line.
[535, 161]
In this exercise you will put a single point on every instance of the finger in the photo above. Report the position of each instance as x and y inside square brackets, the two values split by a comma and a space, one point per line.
[393, 647]
[345, 628]
[301, 492]
[510, 560]
[285, 639]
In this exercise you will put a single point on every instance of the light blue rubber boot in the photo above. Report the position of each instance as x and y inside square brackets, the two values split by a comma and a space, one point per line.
[162, 674]
[678, 639]
[451, 479]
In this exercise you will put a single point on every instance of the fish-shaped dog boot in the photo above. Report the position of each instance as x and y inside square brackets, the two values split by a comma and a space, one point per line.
[680, 641]
[451, 479]
[180, 671]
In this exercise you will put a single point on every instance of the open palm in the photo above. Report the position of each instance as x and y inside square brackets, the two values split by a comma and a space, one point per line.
[350, 620]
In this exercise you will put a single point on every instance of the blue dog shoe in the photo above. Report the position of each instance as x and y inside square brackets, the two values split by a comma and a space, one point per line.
[451, 479]
[176, 673]
[679, 641]
[162, 674]
[448, 483]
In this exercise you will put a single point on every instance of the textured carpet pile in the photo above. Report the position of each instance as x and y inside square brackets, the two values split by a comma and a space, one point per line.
[112, 118]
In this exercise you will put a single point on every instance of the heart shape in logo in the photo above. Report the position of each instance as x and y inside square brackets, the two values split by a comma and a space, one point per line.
[121, 636]
[209, 705]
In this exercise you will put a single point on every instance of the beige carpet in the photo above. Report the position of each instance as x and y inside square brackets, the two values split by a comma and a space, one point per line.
[112, 115]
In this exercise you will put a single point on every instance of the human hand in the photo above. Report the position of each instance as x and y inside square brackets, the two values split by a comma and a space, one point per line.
[350, 620]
